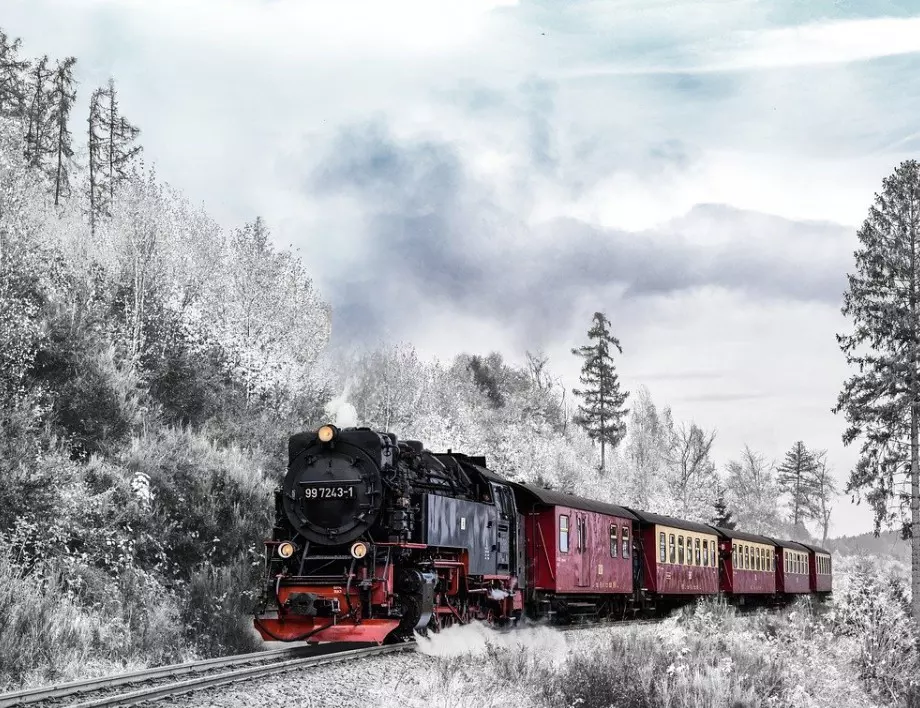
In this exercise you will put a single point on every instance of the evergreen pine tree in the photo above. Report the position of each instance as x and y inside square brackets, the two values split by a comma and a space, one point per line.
[39, 136]
[111, 150]
[98, 195]
[881, 400]
[12, 78]
[797, 478]
[723, 515]
[120, 136]
[602, 414]
[63, 95]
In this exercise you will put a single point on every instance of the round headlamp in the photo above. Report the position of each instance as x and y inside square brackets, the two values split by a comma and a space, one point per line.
[326, 433]
[358, 550]
[286, 549]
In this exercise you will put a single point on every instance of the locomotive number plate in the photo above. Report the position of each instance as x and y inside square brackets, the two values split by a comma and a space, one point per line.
[329, 491]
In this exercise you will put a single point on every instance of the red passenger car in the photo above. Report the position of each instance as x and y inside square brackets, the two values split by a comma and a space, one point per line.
[791, 567]
[748, 563]
[576, 547]
[678, 557]
[819, 569]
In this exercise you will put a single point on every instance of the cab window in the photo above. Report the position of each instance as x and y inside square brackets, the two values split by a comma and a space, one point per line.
[662, 548]
[563, 534]
[626, 541]
[613, 540]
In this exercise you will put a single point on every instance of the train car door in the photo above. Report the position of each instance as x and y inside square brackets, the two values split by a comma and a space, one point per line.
[506, 536]
[585, 563]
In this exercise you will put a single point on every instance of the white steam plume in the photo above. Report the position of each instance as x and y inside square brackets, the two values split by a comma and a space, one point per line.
[343, 414]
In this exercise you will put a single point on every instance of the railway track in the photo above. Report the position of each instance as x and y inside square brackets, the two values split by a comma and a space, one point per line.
[152, 684]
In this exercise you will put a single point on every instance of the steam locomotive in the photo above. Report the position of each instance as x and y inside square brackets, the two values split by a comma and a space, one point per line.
[377, 538]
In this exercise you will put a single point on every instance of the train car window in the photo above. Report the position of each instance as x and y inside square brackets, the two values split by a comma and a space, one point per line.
[680, 550]
[735, 556]
[626, 541]
[757, 562]
[563, 534]
[614, 540]
[705, 552]
[662, 548]
[747, 557]
[696, 545]
[582, 534]
[673, 554]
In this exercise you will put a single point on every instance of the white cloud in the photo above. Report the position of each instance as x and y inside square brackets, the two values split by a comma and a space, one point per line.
[824, 42]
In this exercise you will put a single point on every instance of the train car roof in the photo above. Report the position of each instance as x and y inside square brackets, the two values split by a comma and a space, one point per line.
[816, 549]
[793, 545]
[650, 518]
[744, 536]
[551, 497]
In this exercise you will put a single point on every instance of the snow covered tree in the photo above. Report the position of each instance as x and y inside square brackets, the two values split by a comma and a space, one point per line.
[12, 82]
[752, 492]
[602, 413]
[881, 401]
[796, 477]
[39, 134]
[825, 492]
[63, 95]
[645, 451]
[690, 475]
[264, 312]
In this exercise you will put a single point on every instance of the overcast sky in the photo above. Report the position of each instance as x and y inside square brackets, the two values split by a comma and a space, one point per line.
[481, 176]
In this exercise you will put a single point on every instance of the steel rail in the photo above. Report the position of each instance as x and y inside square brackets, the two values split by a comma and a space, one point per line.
[254, 672]
[56, 692]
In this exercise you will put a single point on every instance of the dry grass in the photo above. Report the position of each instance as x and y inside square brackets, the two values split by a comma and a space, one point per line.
[704, 657]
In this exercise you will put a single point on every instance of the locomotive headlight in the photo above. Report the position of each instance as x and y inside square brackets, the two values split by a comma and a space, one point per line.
[286, 549]
[358, 550]
[326, 433]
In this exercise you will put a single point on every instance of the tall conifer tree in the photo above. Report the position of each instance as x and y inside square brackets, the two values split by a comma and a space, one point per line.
[12, 78]
[111, 150]
[797, 477]
[881, 401]
[39, 135]
[63, 95]
[602, 413]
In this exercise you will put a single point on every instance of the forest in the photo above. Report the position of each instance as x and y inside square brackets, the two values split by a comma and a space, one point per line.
[153, 364]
